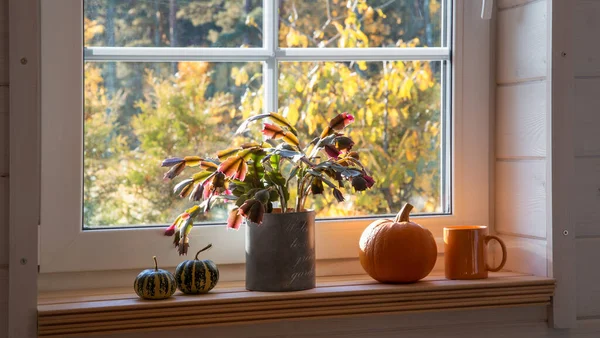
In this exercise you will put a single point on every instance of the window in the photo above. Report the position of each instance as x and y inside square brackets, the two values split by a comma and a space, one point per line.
[170, 78]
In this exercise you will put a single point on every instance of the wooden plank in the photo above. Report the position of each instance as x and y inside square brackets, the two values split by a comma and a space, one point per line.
[4, 99]
[3, 222]
[521, 120]
[24, 165]
[296, 314]
[4, 143]
[561, 247]
[522, 42]
[586, 58]
[588, 275]
[227, 309]
[521, 197]
[370, 287]
[346, 296]
[509, 4]
[525, 255]
[3, 42]
[447, 324]
[586, 202]
[102, 294]
[3, 302]
[587, 116]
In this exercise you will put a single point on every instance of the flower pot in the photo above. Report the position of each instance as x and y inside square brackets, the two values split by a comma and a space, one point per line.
[280, 252]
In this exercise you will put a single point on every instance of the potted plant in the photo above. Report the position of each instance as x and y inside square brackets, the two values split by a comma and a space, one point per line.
[262, 179]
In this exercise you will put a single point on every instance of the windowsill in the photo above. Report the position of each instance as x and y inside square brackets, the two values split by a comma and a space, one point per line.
[116, 310]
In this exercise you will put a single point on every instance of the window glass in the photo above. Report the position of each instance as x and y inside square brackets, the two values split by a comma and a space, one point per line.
[397, 128]
[138, 113]
[174, 23]
[360, 23]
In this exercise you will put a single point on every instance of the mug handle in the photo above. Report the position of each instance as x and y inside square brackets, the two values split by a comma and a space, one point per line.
[503, 246]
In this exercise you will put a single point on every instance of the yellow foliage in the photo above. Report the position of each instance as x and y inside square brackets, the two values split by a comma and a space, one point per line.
[434, 6]
[90, 30]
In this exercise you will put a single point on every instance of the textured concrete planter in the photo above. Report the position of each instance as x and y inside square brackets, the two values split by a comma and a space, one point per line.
[280, 253]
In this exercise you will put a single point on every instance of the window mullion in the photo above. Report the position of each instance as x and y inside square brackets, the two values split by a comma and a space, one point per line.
[271, 42]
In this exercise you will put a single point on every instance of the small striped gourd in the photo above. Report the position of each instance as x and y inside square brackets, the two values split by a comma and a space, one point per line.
[154, 283]
[197, 276]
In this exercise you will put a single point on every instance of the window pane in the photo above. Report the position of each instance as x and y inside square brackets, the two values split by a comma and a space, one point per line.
[360, 23]
[398, 128]
[137, 114]
[173, 23]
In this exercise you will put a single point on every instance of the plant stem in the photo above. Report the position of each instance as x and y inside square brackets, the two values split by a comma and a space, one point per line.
[155, 263]
[403, 214]
[205, 248]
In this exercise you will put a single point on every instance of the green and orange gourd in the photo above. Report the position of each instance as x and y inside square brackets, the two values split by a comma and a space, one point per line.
[397, 251]
[154, 283]
[197, 276]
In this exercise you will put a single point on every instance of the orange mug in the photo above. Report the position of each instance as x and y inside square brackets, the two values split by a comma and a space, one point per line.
[465, 254]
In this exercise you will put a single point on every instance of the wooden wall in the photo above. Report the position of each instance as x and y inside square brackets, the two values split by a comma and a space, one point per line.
[586, 143]
[525, 322]
[3, 168]
[521, 128]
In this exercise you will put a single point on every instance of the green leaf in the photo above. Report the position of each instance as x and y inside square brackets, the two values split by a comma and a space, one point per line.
[273, 196]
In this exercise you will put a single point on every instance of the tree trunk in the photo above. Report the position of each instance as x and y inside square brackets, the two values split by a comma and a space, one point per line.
[156, 23]
[173, 29]
[247, 9]
[428, 29]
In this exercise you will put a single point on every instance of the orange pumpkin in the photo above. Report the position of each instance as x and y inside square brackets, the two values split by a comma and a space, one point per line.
[397, 251]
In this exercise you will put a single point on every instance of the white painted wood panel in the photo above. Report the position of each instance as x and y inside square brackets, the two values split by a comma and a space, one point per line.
[3, 302]
[586, 48]
[587, 115]
[521, 47]
[588, 277]
[521, 120]
[525, 255]
[507, 4]
[586, 199]
[521, 197]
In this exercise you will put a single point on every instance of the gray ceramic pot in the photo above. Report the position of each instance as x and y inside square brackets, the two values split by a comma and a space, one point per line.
[280, 253]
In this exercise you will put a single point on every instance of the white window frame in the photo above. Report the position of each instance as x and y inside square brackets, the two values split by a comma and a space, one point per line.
[65, 247]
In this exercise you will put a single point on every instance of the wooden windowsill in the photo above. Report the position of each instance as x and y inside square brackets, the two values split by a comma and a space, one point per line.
[118, 310]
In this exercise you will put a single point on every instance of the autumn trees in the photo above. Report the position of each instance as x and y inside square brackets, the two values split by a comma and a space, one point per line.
[139, 113]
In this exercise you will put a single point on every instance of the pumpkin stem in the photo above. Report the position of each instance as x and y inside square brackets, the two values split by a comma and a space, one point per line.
[155, 263]
[403, 214]
[206, 248]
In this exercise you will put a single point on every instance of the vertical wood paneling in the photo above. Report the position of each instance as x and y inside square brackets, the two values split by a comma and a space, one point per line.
[525, 255]
[562, 243]
[4, 125]
[24, 42]
[3, 224]
[587, 116]
[3, 42]
[3, 302]
[586, 48]
[4, 143]
[521, 197]
[521, 120]
[588, 275]
[586, 201]
[522, 42]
